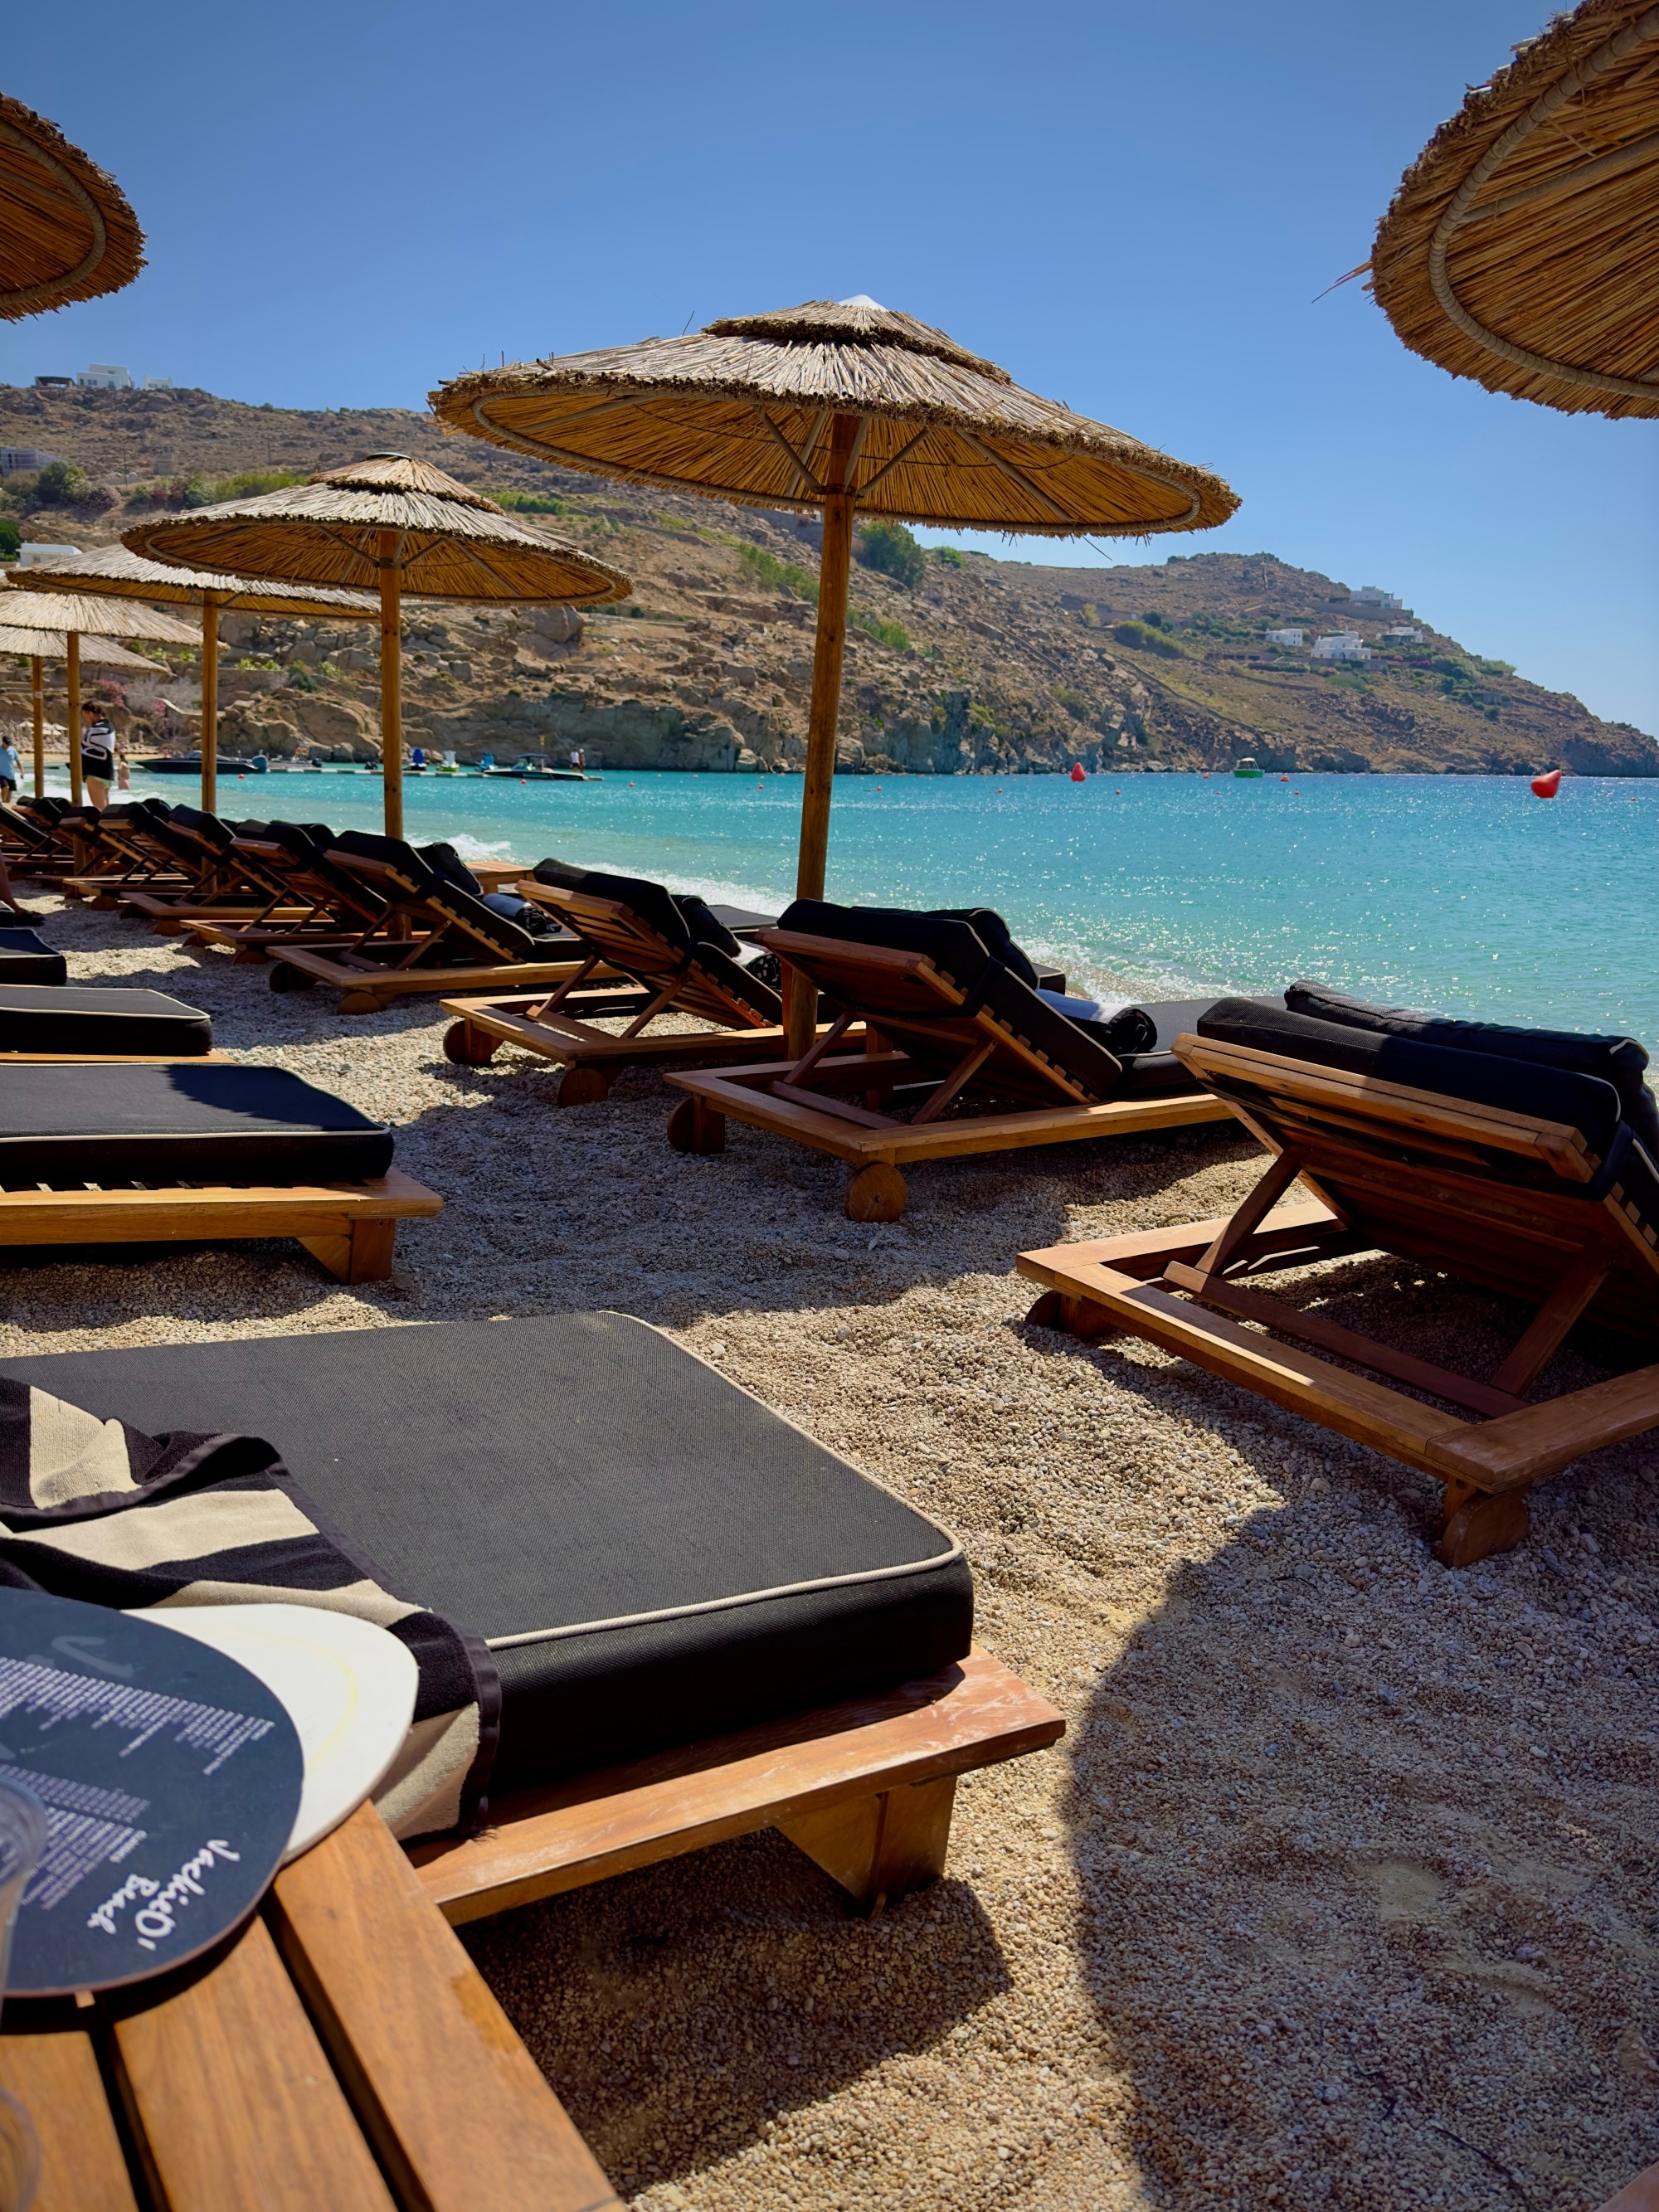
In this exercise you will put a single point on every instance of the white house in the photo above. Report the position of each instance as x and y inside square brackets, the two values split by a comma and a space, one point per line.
[1286, 637]
[1342, 644]
[23, 460]
[1373, 595]
[105, 376]
[158, 384]
[1405, 633]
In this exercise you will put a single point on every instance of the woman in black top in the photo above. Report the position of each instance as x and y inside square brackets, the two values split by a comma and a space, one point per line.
[97, 755]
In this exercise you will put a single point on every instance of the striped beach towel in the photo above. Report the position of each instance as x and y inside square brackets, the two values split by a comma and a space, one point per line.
[94, 1509]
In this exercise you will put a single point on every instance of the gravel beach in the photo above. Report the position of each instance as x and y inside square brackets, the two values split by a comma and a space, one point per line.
[1339, 1890]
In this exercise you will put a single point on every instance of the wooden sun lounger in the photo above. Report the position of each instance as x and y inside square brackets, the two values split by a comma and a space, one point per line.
[401, 952]
[1418, 1174]
[1641, 2195]
[864, 1787]
[351, 1228]
[653, 978]
[342, 2051]
[830, 1101]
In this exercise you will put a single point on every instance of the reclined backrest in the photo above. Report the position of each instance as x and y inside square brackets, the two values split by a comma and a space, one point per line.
[1048, 1055]
[204, 829]
[23, 829]
[1495, 1169]
[658, 938]
[389, 864]
[290, 862]
[1620, 1060]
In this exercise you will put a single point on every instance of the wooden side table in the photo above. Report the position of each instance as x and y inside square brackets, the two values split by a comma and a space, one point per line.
[342, 2052]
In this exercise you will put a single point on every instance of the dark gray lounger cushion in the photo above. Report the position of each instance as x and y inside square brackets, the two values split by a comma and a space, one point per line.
[957, 949]
[100, 1019]
[687, 924]
[680, 1561]
[1585, 1103]
[211, 1123]
[451, 898]
[1620, 1060]
[26, 957]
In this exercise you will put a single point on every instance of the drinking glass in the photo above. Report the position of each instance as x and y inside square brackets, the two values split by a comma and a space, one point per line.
[22, 1843]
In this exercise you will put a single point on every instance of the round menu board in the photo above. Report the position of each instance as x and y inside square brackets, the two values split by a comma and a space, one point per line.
[170, 1778]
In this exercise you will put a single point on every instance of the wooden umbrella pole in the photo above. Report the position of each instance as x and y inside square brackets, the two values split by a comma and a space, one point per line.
[834, 569]
[38, 702]
[72, 678]
[392, 692]
[209, 704]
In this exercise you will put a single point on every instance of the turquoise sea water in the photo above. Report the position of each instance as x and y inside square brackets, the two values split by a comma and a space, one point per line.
[1458, 893]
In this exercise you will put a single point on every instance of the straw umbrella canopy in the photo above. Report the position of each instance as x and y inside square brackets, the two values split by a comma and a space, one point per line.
[393, 524]
[1520, 249]
[75, 614]
[850, 407]
[111, 571]
[66, 231]
[43, 645]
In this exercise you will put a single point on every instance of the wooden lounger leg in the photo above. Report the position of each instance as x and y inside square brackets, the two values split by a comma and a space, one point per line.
[695, 1127]
[880, 1848]
[360, 1253]
[877, 1193]
[1072, 1316]
[1479, 1523]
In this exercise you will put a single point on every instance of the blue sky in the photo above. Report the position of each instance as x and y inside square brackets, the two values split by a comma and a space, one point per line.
[1132, 207]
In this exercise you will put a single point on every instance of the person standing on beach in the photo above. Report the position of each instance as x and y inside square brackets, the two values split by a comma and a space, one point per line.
[9, 771]
[97, 755]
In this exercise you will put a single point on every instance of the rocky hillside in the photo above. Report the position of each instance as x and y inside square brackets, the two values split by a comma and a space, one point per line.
[957, 665]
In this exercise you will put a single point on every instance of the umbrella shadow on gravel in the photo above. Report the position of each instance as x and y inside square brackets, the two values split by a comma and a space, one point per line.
[1363, 1846]
[680, 2010]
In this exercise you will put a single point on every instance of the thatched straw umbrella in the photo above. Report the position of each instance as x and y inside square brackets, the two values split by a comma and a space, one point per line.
[42, 644]
[112, 572]
[77, 615]
[395, 525]
[846, 406]
[66, 231]
[1521, 249]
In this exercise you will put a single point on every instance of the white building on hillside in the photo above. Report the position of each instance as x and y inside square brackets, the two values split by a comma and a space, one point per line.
[1342, 644]
[105, 376]
[1373, 595]
[1405, 633]
[1287, 637]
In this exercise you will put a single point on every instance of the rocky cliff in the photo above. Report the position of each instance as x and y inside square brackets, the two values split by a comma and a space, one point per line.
[955, 664]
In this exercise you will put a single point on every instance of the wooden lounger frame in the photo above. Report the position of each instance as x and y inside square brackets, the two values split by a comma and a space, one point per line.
[351, 1227]
[813, 1099]
[1479, 1192]
[653, 978]
[864, 1787]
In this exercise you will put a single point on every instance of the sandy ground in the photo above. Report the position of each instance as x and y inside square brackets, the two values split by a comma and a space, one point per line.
[1340, 1890]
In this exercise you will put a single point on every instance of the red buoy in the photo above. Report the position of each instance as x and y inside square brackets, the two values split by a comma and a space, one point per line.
[1080, 774]
[1284, 778]
[1547, 785]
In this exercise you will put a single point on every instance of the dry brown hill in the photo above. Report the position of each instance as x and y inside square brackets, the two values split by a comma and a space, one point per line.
[970, 665]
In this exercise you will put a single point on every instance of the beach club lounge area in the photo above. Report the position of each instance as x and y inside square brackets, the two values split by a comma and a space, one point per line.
[666, 1555]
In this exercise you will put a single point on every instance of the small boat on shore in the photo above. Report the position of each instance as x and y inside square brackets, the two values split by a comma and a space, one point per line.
[532, 768]
[191, 764]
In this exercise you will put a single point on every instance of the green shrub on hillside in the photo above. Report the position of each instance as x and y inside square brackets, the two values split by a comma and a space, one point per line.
[890, 548]
[1073, 701]
[763, 567]
[949, 557]
[60, 484]
[1145, 638]
[11, 539]
[251, 483]
[892, 634]
[531, 502]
